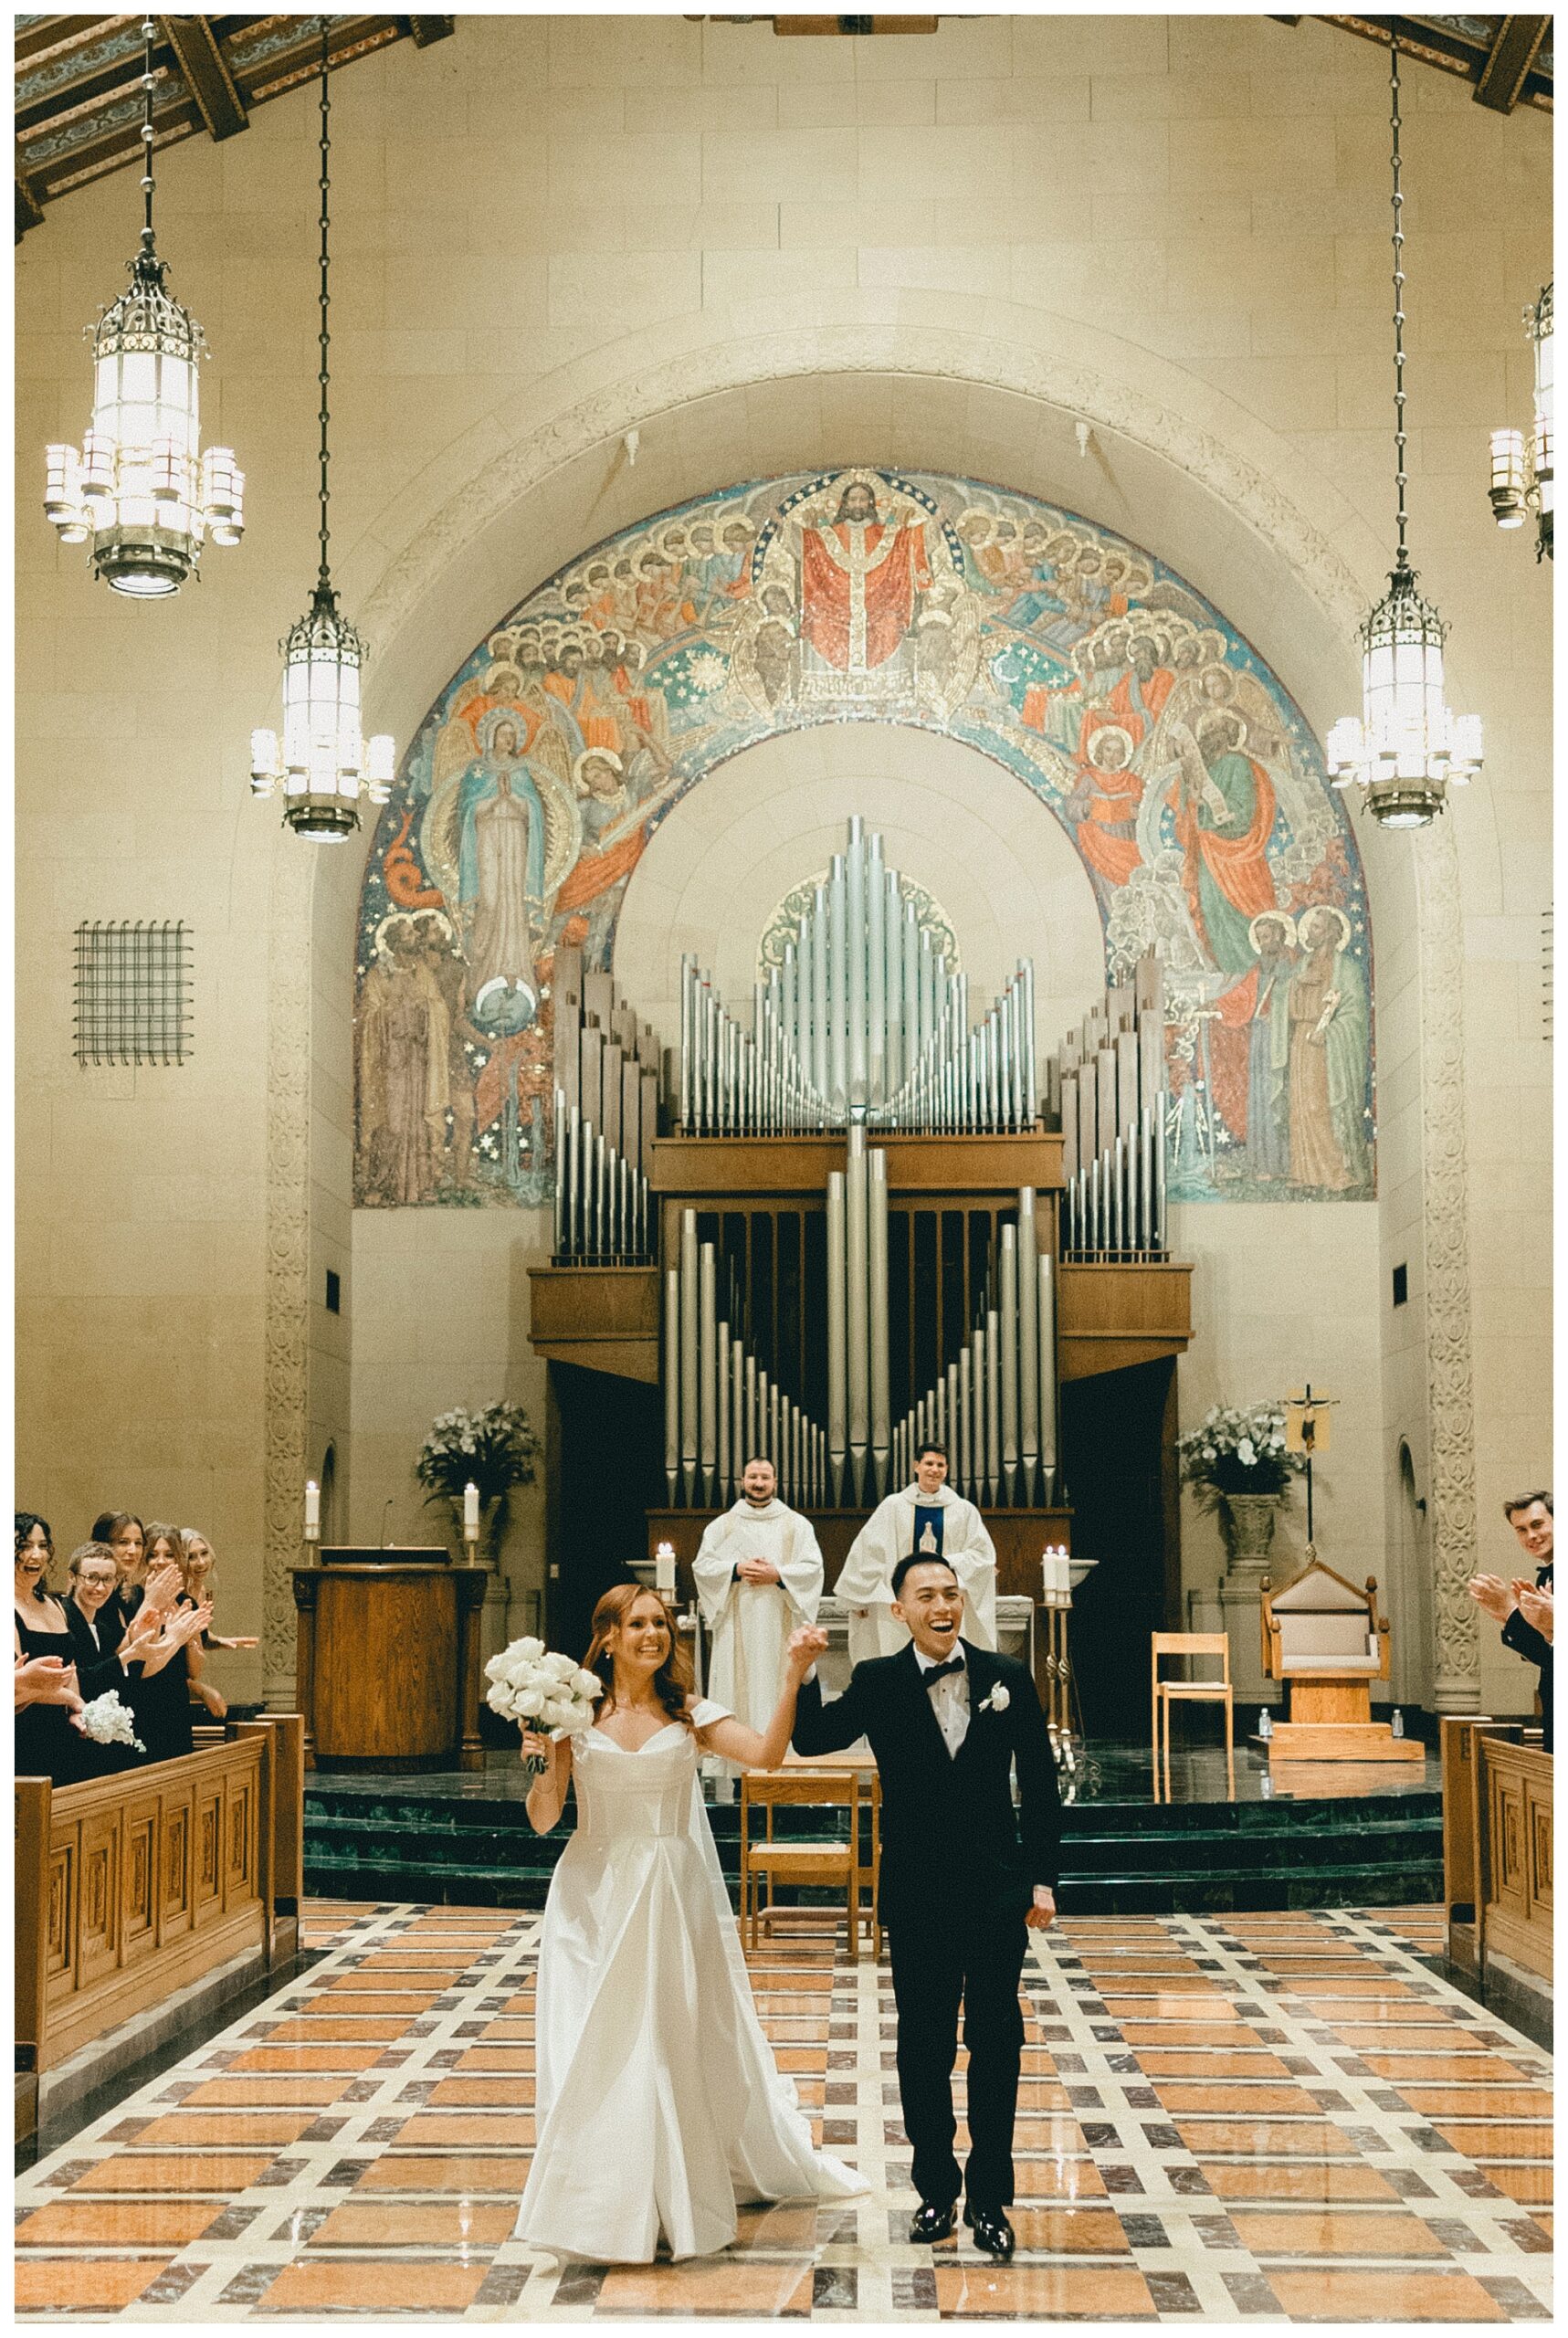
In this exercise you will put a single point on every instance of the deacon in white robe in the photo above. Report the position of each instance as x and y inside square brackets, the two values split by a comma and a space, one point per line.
[925, 1516]
[759, 1577]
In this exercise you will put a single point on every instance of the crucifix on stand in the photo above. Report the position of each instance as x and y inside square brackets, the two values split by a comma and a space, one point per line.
[1307, 1431]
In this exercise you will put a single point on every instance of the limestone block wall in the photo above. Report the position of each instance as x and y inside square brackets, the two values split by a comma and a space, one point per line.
[764, 254]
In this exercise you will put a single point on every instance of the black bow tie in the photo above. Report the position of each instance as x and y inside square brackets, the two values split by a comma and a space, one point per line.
[940, 1671]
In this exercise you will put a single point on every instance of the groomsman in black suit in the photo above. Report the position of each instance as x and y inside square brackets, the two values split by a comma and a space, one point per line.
[1531, 1517]
[964, 1878]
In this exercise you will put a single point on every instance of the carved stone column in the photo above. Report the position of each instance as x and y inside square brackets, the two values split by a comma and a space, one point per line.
[1445, 1234]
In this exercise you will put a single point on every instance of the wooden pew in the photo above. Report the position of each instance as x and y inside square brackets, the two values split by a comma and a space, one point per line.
[1497, 1847]
[131, 1889]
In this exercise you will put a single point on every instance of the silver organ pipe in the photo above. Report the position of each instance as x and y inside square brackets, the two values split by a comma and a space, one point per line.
[1028, 1342]
[857, 1309]
[1008, 1311]
[992, 1405]
[877, 1315]
[1046, 1318]
[837, 1364]
[708, 1370]
[672, 1382]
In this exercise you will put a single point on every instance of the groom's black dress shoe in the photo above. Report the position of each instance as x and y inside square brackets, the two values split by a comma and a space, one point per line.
[992, 2232]
[932, 2223]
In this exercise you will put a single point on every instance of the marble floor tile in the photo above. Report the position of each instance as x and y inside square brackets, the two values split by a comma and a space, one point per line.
[1221, 2120]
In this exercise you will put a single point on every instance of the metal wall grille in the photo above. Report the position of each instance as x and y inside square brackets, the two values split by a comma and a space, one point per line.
[133, 993]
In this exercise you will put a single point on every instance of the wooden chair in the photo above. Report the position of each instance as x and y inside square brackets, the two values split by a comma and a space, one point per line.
[1323, 1636]
[1164, 1693]
[773, 1859]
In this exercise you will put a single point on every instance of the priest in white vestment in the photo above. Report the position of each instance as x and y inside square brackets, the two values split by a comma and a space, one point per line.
[925, 1516]
[759, 1577]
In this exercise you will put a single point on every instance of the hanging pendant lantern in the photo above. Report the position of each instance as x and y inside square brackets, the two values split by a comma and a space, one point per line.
[140, 489]
[1406, 747]
[1523, 472]
[323, 764]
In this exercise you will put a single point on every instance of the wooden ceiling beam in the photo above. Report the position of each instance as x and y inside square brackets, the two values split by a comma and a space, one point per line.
[1512, 53]
[199, 56]
[29, 210]
[426, 30]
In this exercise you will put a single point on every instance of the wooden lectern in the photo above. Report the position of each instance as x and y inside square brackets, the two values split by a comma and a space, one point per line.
[388, 1661]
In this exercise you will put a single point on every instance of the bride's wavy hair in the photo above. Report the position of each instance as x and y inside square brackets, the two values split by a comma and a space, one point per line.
[672, 1683]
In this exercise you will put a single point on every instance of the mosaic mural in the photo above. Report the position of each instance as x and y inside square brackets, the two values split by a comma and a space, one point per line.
[1187, 779]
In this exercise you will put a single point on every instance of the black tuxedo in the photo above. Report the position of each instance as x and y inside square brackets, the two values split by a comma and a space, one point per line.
[1536, 1649]
[959, 1870]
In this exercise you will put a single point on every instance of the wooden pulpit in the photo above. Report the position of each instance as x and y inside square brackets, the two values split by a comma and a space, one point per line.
[388, 1660]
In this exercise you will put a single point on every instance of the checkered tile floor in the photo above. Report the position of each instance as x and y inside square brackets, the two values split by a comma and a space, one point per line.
[1235, 2119]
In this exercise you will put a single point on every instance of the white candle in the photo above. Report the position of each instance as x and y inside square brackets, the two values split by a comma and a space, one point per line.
[664, 1570]
[470, 1508]
[312, 1504]
[1048, 1576]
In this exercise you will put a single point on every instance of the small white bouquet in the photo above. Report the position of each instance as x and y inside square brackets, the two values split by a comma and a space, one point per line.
[109, 1723]
[549, 1693]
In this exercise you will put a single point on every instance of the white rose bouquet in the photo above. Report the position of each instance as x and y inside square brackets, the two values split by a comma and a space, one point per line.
[109, 1723]
[549, 1693]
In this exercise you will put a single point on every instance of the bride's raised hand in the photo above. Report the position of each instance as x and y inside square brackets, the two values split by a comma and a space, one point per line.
[806, 1645]
[537, 1747]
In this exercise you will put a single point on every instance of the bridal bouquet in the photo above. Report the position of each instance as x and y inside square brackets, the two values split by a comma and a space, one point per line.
[548, 1693]
[109, 1723]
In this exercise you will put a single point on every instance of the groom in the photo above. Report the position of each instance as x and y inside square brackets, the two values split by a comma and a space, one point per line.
[960, 1892]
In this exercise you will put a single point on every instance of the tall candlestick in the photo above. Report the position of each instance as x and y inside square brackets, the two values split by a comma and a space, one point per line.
[313, 1506]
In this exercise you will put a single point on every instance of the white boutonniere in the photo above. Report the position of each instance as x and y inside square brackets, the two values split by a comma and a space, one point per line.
[997, 1701]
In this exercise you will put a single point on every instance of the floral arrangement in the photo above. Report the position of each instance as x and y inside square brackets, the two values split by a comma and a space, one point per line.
[494, 1447]
[545, 1691]
[109, 1723]
[1232, 1451]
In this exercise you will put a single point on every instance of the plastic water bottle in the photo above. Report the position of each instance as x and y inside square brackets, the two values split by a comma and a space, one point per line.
[1396, 1726]
[1265, 1724]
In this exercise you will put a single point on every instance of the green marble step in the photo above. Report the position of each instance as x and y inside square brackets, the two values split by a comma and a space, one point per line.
[1127, 1859]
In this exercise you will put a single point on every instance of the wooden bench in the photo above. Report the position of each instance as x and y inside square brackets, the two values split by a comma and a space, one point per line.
[134, 1888]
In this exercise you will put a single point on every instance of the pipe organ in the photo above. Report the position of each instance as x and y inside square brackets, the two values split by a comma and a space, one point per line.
[992, 1405]
[607, 1081]
[863, 1021]
[1111, 1079]
[858, 1214]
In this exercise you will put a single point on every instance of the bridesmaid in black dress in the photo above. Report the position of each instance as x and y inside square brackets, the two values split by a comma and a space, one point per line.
[49, 1745]
[163, 1693]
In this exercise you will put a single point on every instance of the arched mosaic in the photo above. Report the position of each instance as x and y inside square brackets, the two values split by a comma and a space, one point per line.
[1187, 778]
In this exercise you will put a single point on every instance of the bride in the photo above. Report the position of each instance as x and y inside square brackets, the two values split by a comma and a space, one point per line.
[658, 2104]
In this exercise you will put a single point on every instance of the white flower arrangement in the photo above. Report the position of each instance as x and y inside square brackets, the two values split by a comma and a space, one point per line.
[109, 1723]
[551, 1694]
[494, 1447]
[1236, 1451]
[997, 1701]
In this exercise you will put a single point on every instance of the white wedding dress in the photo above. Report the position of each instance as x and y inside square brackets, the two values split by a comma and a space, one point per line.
[658, 2102]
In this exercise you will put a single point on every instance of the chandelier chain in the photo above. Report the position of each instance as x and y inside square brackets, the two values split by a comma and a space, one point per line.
[1401, 476]
[324, 376]
[149, 33]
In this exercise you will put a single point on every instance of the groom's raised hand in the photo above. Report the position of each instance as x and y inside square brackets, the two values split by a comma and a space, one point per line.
[806, 1645]
[1044, 1910]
